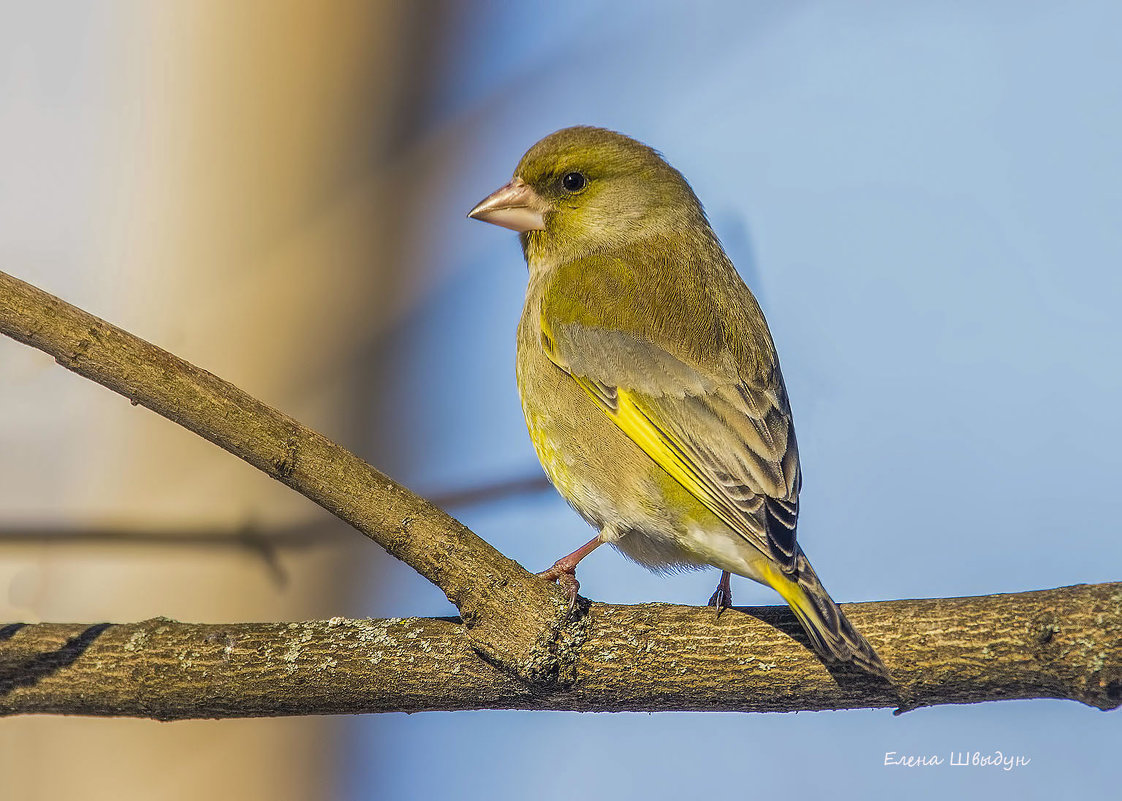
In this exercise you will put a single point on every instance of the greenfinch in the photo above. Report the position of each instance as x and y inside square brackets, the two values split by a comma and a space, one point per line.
[649, 380]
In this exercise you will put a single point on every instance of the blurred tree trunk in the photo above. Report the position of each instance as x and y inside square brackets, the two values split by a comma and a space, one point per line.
[245, 150]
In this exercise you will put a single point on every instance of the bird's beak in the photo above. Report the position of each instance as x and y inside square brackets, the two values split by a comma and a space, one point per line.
[515, 206]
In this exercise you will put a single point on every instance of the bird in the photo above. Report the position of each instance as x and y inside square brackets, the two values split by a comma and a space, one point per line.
[650, 382]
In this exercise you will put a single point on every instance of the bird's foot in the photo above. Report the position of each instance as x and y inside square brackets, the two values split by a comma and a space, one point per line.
[722, 597]
[564, 573]
[564, 570]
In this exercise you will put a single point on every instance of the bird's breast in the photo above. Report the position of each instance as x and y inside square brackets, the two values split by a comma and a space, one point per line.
[602, 473]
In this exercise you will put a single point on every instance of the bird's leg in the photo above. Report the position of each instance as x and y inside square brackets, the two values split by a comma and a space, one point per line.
[564, 570]
[722, 598]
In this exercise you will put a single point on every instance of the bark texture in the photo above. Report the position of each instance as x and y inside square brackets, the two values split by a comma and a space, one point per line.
[1062, 643]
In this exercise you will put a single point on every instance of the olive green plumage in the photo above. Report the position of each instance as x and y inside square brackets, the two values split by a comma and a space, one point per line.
[649, 380]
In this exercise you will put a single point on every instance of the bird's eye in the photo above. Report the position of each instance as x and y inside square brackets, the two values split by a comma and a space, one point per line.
[573, 182]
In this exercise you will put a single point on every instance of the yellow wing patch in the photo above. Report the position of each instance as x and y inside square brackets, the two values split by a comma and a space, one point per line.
[668, 454]
[626, 412]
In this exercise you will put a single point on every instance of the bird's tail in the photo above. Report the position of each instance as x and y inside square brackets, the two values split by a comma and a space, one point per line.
[833, 636]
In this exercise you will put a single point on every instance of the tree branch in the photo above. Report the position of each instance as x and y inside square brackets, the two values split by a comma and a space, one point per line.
[521, 649]
[265, 544]
[513, 617]
[1061, 643]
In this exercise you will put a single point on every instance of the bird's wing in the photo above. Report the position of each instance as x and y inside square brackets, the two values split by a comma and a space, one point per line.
[730, 444]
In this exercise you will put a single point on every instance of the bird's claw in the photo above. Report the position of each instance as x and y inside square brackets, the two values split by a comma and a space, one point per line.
[565, 578]
[722, 596]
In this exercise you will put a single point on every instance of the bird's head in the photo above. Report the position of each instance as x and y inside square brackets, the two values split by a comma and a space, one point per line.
[584, 189]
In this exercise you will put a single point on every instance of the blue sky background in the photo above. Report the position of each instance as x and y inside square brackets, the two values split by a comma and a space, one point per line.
[926, 199]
